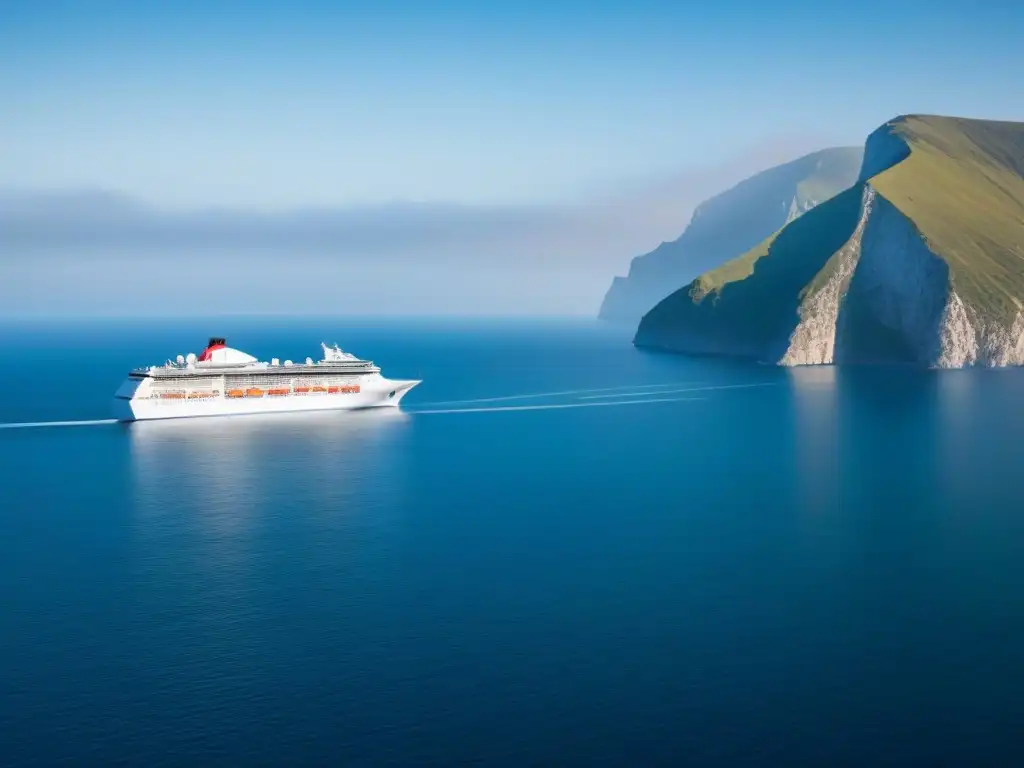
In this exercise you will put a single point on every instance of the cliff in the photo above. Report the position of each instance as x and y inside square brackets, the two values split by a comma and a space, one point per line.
[921, 261]
[728, 224]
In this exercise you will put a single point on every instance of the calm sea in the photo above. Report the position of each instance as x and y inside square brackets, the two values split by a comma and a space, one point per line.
[564, 551]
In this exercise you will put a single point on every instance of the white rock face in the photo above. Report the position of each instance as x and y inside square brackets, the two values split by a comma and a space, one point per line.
[999, 345]
[886, 274]
[900, 285]
[966, 340]
[958, 341]
[813, 340]
[795, 208]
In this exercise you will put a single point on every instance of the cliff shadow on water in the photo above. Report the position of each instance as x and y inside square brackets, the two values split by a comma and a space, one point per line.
[755, 315]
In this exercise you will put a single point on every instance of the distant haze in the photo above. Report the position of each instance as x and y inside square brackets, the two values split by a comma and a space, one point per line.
[99, 252]
[425, 157]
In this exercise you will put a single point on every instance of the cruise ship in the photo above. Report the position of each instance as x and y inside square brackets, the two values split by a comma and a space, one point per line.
[223, 381]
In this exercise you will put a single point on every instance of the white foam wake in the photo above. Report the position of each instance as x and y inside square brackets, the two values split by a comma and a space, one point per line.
[688, 389]
[534, 395]
[557, 406]
[35, 424]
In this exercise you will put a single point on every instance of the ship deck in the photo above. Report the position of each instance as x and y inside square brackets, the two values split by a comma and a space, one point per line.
[346, 368]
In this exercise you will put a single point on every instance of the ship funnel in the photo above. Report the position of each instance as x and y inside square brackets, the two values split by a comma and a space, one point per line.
[216, 342]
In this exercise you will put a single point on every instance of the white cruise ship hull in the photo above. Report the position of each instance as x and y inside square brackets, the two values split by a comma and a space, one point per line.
[135, 401]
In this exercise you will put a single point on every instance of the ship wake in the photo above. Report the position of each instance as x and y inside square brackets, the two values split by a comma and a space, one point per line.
[38, 424]
[556, 406]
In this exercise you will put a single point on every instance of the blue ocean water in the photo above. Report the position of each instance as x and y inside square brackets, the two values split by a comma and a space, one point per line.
[562, 551]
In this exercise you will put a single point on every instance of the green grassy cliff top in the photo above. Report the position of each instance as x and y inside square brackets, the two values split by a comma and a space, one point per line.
[962, 185]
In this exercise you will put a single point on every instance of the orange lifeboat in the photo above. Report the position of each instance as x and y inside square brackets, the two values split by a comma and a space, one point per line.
[318, 389]
[235, 393]
[301, 390]
[254, 392]
[333, 390]
[172, 395]
[278, 392]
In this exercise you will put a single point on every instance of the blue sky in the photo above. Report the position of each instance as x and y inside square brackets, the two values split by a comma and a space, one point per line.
[535, 146]
[279, 105]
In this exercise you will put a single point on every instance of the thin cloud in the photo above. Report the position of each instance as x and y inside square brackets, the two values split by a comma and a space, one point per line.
[607, 230]
[95, 251]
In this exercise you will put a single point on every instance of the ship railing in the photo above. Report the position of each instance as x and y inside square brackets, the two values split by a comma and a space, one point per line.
[366, 367]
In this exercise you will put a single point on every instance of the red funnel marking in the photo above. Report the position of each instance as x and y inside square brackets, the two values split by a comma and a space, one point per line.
[208, 352]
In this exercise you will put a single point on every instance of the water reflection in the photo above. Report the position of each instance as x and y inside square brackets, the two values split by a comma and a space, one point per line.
[980, 413]
[956, 395]
[222, 468]
[905, 443]
[227, 494]
[815, 408]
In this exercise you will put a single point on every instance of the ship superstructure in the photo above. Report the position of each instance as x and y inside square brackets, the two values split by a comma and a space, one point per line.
[225, 381]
